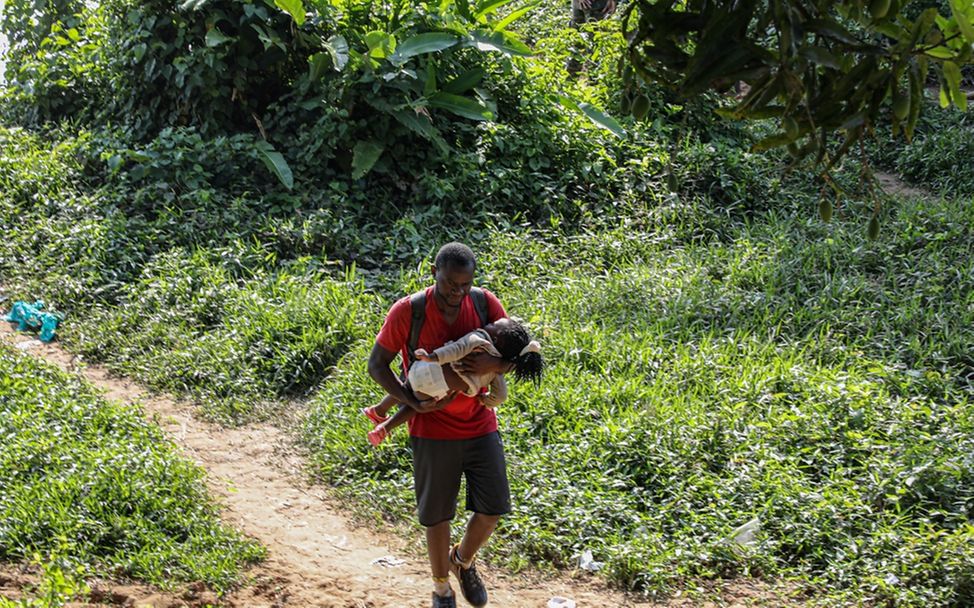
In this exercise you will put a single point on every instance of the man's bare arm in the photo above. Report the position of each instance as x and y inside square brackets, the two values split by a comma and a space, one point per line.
[379, 362]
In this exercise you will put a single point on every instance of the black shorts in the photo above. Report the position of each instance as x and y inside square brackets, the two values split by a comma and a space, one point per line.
[438, 465]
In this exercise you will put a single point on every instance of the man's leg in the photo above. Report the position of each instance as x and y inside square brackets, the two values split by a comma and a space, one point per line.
[436, 473]
[489, 497]
[438, 548]
[479, 529]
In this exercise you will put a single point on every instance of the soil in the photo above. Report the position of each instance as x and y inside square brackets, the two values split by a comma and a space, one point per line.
[317, 555]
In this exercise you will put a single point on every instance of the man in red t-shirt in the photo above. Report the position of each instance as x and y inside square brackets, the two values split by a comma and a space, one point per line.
[455, 436]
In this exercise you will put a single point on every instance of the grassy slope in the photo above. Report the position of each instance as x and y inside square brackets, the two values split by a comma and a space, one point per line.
[91, 488]
[715, 356]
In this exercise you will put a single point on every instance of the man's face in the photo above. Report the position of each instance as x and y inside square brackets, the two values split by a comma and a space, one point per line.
[453, 283]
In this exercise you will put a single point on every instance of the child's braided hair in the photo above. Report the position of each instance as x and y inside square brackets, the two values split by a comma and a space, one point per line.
[511, 340]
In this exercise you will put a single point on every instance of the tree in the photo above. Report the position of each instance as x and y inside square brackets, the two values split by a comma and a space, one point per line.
[819, 67]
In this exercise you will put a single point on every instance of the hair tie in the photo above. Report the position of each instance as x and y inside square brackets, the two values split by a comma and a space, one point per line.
[530, 347]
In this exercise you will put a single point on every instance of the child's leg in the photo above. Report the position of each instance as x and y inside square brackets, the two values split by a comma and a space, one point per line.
[377, 413]
[400, 417]
[380, 432]
[383, 407]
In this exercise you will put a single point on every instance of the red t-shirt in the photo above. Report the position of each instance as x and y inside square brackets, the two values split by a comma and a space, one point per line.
[464, 417]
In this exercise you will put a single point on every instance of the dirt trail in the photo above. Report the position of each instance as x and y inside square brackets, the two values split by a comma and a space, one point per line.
[316, 556]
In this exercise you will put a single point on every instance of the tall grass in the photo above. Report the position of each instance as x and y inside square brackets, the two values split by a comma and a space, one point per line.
[795, 373]
[92, 487]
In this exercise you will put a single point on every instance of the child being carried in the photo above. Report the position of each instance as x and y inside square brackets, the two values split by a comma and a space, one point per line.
[434, 375]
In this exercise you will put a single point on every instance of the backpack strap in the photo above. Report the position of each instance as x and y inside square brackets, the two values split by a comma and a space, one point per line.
[479, 303]
[417, 303]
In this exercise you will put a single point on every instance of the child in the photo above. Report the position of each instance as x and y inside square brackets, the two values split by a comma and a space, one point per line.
[429, 378]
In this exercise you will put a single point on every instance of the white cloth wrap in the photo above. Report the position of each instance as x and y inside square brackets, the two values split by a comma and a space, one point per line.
[427, 377]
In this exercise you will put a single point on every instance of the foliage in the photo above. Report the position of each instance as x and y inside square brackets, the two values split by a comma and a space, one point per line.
[818, 67]
[694, 386]
[93, 486]
[189, 325]
[936, 157]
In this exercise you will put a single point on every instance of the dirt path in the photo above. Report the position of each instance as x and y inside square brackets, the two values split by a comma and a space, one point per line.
[893, 185]
[316, 556]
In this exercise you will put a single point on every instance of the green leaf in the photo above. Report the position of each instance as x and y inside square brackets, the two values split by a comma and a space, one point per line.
[215, 37]
[489, 6]
[941, 52]
[276, 163]
[317, 64]
[515, 15]
[594, 114]
[960, 10]
[820, 56]
[295, 8]
[953, 77]
[466, 81]
[461, 106]
[430, 42]
[337, 47]
[381, 44]
[773, 141]
[831, 29]
[422, 126]
[503, 42]
[364, 156]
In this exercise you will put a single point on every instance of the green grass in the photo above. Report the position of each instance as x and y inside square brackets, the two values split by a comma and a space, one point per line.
[795, 373]
[92, 488]
[231, 342]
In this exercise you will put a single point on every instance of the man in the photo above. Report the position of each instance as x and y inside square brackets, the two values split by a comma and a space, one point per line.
[585, 11]
[455, 436]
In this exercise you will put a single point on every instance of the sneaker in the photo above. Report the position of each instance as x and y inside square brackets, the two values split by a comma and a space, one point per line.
[449, 601]
[471, 585]
[372, 415]
[377, 435]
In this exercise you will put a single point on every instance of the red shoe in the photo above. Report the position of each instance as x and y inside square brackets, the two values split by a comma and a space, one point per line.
[372, 415]
[377, 436]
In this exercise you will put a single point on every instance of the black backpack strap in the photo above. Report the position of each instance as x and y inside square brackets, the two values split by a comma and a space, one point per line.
[479, 303]
[417, 302]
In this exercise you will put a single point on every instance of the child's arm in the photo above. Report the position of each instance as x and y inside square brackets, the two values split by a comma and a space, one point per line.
[498, 392]
[454, 351]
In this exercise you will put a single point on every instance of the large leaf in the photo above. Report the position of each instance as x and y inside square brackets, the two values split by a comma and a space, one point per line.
[381, 44]
[295, 8]
[485, 7]
[594, 114]
[422, 126]
[602, 119]
[503, 42]
[961, 12]
[461, 106]
[515, 15]
[215, 37]
[429, 42]
[364, 156]
[276, 163]
[337, 47]
[466, 81]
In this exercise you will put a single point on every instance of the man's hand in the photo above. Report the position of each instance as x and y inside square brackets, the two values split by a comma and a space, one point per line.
[584, 4]
[610, 7]
[432, 405]
[480, 363]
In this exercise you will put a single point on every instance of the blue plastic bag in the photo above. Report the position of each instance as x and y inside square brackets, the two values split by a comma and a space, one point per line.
[31, 316]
